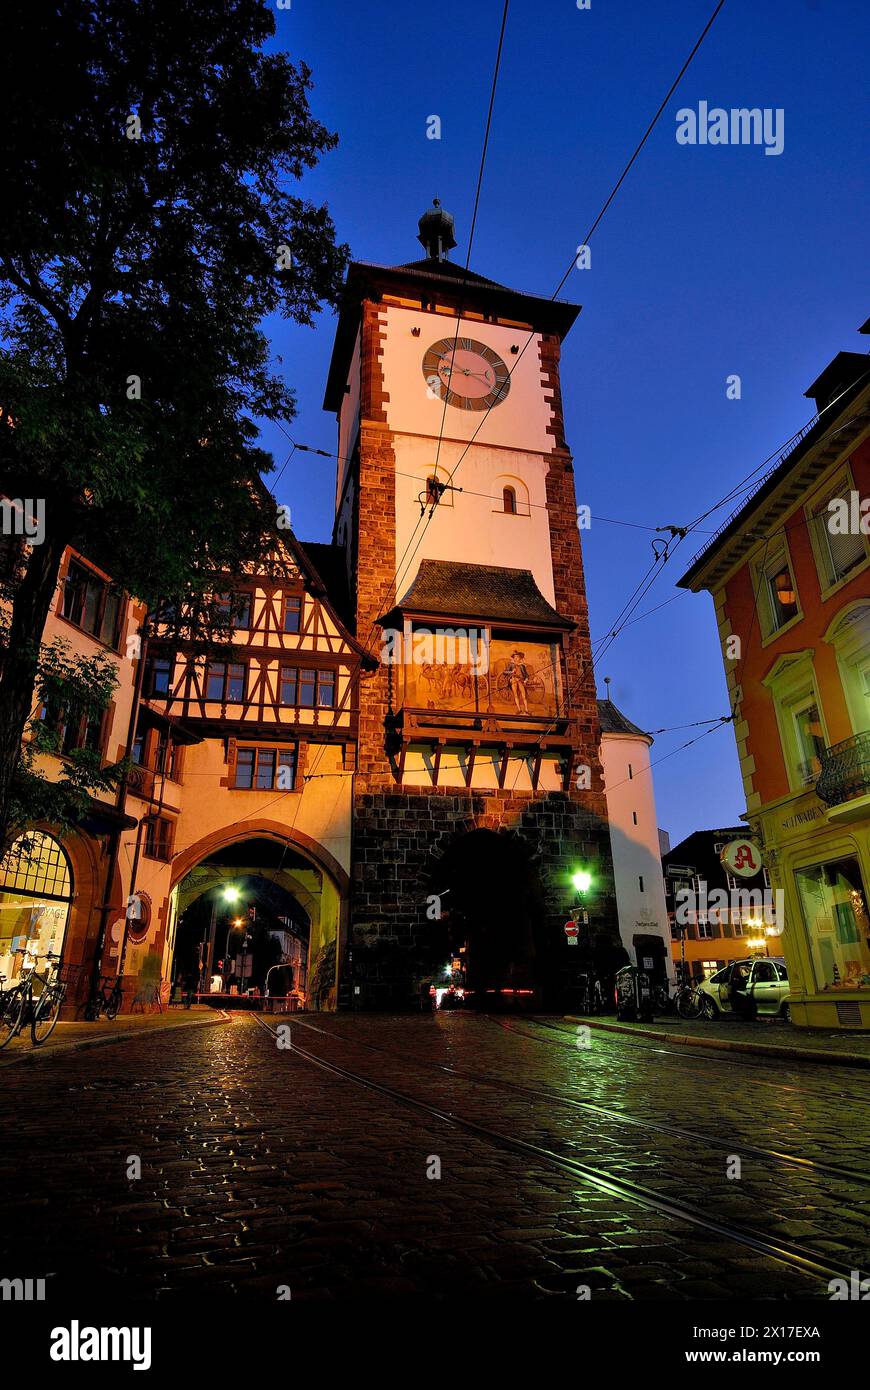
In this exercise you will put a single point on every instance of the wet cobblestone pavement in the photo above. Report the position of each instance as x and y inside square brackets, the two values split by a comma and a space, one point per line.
[261, 1170]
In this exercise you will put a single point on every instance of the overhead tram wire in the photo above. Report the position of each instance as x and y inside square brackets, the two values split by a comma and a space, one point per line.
[679, 535]
[474, 211]
[746, 485]
[392, 588]
[589, 234]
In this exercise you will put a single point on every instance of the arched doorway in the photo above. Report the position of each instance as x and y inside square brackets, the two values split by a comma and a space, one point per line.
[245, 903]
[493, 909]
[36, 888]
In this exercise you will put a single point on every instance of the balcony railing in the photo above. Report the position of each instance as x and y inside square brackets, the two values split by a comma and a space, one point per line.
[845, 770]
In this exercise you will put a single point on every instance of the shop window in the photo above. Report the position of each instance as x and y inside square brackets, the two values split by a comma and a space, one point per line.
[833, 900]
[265, 769]
[92, 604]
[35, 893]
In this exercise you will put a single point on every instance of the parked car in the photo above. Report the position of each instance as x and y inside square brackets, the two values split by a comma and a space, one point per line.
[766, 988]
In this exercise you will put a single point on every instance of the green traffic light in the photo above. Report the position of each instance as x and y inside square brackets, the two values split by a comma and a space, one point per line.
[582, 880]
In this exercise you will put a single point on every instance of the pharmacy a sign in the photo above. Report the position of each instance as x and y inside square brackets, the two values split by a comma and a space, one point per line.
[742, 857]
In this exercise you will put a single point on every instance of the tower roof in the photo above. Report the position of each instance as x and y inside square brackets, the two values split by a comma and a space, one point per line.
[613, 721]
[435, 233]
[435, 282]
[455, 590]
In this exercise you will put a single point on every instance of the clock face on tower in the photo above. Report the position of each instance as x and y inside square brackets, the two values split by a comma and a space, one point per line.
[466, 373]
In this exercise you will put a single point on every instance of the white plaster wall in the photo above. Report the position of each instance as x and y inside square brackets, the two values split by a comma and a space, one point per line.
[519, 422]
[635, 847]
[472, 526]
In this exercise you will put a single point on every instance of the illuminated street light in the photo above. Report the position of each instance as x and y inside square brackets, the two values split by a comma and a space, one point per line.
[231, 894]
[582, 880]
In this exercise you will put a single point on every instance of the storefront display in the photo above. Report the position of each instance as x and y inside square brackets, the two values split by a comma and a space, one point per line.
[35, 893]
[834, 905]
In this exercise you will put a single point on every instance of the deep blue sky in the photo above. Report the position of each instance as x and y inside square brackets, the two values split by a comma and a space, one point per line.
[713, 260]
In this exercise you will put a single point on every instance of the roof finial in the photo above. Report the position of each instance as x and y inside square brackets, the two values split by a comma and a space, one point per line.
[435, 232]
[607, 685]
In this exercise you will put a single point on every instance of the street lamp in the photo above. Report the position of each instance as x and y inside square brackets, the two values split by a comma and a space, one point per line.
[582, 881]
[231, 893]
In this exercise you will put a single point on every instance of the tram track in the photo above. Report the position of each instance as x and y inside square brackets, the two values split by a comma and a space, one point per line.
[728, 1145]
[787, 1252]
[682, 1054]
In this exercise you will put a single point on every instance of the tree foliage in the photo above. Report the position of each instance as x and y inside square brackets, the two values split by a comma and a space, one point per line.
[150, 221]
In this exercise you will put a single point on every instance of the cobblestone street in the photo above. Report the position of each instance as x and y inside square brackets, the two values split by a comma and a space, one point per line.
[262, 1170]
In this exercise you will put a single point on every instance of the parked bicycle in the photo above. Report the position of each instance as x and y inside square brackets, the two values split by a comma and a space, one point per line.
[689, 1001]
[107, 1000]
[21, 1006]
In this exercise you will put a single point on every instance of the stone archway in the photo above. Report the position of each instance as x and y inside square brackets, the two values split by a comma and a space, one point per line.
[308, 873]
[488, 883]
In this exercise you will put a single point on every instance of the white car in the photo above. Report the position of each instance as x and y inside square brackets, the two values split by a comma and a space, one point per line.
[766, 988]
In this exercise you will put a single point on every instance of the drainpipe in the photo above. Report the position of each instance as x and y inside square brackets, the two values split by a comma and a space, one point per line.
[120, 805]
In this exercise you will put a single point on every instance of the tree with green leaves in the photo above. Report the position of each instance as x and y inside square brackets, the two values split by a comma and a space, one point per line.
[149, 223]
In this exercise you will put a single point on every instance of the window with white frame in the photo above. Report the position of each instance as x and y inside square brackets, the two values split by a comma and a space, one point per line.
[809, 738]
[849, 635]
[838, 545]
[799, 716]
[776, 592]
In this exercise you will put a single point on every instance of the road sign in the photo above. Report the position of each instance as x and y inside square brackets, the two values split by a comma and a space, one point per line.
[571, 933]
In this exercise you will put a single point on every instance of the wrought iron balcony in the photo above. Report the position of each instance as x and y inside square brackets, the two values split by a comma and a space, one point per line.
[845, 770]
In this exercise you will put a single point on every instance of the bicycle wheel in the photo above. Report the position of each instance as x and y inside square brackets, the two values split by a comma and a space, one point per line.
[113, 1004]
[689, 1005]
[46, 1012]
[12, 1007]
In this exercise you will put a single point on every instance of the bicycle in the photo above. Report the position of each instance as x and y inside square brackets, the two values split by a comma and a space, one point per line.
[107, 1001]
[689, 1001]
[20, 1006]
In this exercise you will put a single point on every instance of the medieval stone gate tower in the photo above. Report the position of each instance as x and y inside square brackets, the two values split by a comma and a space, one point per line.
[456, 512]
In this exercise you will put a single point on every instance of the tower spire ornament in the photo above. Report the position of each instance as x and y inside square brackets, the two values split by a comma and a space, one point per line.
[435, 232]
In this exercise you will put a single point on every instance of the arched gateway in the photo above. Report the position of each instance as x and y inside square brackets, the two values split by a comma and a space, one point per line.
[297, 883]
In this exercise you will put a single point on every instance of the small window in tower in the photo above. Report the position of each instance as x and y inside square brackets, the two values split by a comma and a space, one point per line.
[640, 881]
[510, 500]
[630, 773]
[434, 491]
[634, 817]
